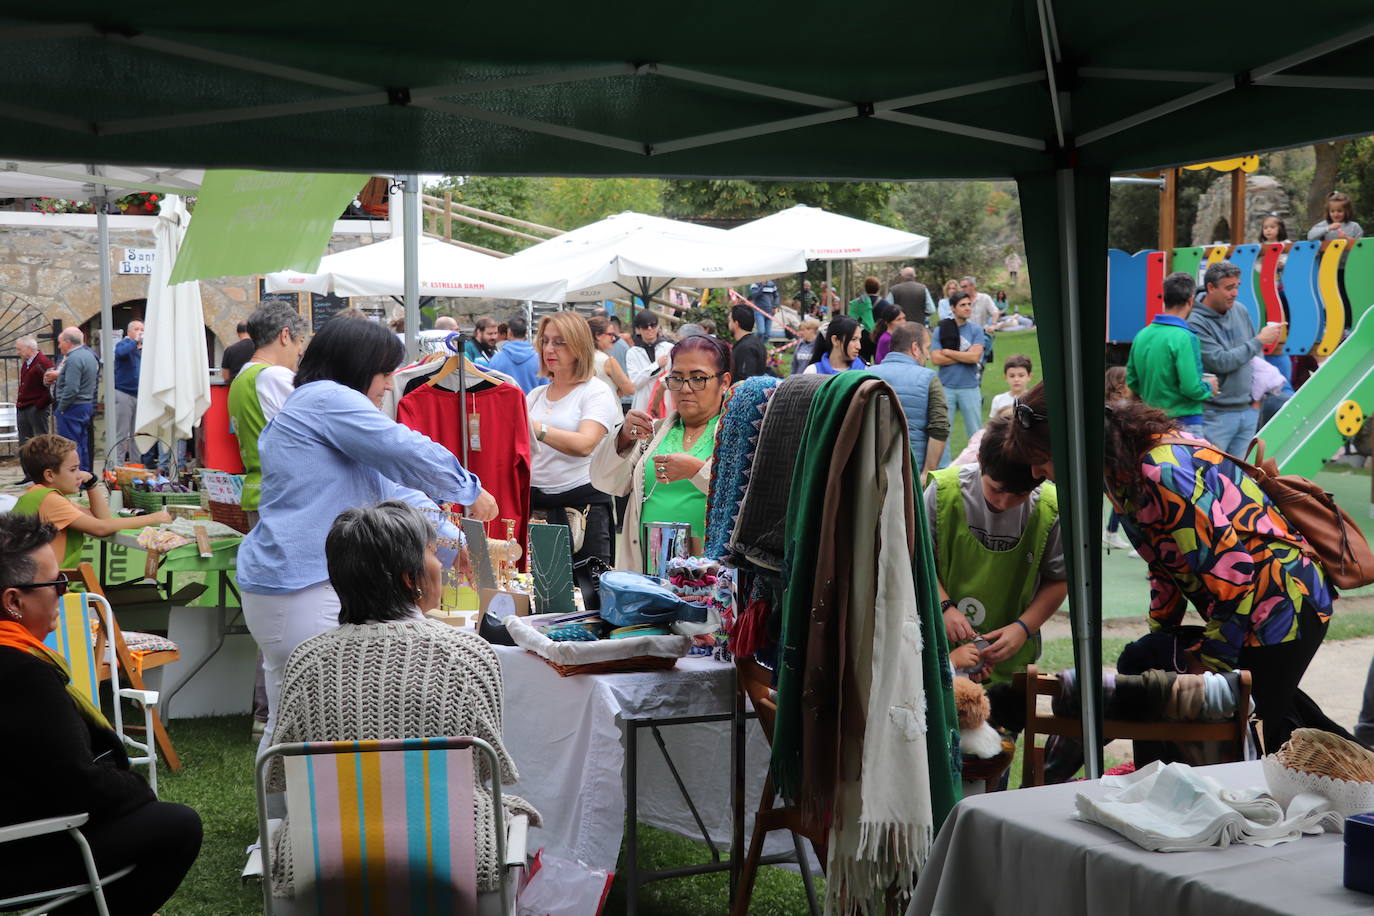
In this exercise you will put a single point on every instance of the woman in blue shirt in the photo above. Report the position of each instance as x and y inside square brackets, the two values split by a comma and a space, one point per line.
[330, 449]
[839, 351]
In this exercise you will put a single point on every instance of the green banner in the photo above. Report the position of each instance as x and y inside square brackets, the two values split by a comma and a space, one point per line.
[256, 222]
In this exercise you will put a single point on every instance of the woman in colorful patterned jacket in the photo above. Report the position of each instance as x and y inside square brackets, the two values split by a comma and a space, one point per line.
[1212, 539]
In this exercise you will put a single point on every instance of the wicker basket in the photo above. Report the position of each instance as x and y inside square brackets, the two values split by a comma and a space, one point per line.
[616, 666]
[230, 514]
[127, 474]
[153, 502]
[1311, 750]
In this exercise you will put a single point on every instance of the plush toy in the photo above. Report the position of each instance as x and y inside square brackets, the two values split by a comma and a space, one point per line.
[976, 737]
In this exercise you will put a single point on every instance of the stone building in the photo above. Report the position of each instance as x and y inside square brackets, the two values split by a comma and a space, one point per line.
[1264, 196]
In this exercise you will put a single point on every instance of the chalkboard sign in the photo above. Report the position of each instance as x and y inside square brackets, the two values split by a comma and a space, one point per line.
[291, 299]
[324, 306]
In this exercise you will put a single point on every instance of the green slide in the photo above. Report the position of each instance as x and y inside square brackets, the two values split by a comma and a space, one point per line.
[1317, 420]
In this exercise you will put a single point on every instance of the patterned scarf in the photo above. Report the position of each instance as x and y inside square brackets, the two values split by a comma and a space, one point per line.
[737, 435]
[14, 636]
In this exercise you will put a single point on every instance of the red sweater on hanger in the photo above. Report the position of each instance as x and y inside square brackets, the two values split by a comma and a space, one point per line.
[498, 444]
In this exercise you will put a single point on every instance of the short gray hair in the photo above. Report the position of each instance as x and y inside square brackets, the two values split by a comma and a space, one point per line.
[27, 341]
[908, 273]
[1221, 270]
[1179, 289]
[972, 280]
[267, 322]
[73, 336]
[376, 561]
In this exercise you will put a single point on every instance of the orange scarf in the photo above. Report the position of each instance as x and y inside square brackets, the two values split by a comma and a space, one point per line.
[15, 636]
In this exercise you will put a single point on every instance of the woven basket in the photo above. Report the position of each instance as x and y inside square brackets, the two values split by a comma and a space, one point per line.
[127, 474]
[152, 502]
[1311, 750]
[617, 666]
[229, 514]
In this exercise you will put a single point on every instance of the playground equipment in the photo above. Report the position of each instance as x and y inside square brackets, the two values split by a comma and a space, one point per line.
[1327, 307]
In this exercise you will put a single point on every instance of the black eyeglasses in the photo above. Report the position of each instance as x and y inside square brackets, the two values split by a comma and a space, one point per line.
[1027, 417]
[59, 585]
[698, 382]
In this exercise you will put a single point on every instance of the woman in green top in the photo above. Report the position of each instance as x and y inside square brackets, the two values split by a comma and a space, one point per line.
[665, 465]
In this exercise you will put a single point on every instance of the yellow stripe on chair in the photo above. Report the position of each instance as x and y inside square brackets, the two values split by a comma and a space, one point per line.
[72, 640]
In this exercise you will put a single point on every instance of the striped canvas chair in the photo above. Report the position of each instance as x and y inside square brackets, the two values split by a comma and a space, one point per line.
[76, 640]
[380, 827]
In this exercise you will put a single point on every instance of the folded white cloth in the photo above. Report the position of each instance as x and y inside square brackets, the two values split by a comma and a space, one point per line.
[602, 650]
[1174, 808]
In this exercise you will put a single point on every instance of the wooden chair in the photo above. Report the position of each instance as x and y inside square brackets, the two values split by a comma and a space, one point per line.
[1035, 685]
[755, 682]
[133, 664]
[383, 826]
[90, 658]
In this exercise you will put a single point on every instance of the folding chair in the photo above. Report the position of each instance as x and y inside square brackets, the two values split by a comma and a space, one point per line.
[154, 652]
[75, 640]
[51, 899]
[381, 826]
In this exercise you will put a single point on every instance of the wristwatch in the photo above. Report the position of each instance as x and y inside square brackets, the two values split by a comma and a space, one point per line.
[543, 431]
[948, 605]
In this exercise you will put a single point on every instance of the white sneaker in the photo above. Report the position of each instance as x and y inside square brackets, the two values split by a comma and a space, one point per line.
[1134, 554]
[1115, 540]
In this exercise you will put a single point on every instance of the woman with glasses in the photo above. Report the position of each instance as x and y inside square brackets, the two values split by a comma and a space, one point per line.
[647, 360]
[66, 759]
[665, 465]
[568, 419]
[1212, 539]
[608, 367]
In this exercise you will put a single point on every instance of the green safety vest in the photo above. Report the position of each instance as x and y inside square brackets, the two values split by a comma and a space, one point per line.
[28, 505]
[247, 419]
[992, 586]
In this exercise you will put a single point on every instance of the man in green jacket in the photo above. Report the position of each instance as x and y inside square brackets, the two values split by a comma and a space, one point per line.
[1165, 366]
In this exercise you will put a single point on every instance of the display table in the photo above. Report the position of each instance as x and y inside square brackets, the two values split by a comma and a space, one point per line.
[565, 735]
[1023, 852]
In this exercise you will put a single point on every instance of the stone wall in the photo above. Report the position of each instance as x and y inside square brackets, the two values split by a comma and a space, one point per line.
[57, 269]
[1263, 196]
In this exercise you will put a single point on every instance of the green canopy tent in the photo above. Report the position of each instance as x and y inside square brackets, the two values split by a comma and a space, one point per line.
[1057, 94]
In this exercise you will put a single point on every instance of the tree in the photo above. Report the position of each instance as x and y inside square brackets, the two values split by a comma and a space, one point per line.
[952, 214]
[507, 196]
[569, 203]
[1323, 178]
[739, 200]
[1133, 217]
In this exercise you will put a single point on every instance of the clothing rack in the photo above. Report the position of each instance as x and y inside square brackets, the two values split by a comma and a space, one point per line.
[456, 343]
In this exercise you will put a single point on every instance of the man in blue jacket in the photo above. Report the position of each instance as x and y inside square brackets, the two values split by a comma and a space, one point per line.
[1228, 340]
[517, 358]
[128, 364]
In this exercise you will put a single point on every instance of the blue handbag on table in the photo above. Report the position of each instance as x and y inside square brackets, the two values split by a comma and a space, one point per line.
[630, 599]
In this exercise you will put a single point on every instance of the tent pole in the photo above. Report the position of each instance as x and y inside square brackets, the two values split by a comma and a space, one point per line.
[829, 286]
[411, 240]
[102, 222]
[1086, 639]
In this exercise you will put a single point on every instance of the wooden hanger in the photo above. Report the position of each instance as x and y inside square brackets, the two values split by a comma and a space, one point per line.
[450, 366]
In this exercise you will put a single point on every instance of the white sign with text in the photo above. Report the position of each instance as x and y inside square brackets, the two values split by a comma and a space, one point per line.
[137, 261]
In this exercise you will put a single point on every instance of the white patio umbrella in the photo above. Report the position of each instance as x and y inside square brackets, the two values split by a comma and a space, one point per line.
[378, 269]
[174, 385]
[641, 255]
[830, 236]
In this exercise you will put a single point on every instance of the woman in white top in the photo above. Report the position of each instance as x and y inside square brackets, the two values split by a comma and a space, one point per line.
[568, 419]
[647, 359]
[608, 367]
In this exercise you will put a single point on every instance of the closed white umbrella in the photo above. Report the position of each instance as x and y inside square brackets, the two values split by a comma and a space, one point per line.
[174, 385]
[641, 255]
[830, 236]
[378, 269]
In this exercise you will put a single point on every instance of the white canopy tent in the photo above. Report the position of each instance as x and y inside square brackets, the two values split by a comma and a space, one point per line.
[830, 236]
[378, 269]
[174, 386]
[641, 255]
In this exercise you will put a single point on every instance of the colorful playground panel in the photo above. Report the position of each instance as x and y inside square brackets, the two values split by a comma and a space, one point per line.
[1316, 421]
[1332, 303]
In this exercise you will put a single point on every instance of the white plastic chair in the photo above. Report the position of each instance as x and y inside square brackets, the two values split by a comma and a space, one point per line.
[58, 896]
[9, 422]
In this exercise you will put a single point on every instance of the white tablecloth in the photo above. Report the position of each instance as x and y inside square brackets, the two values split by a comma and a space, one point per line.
[567, 743]
[1023, 852]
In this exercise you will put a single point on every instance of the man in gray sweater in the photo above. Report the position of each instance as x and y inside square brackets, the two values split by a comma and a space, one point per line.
[1228, 341]
[74, 391]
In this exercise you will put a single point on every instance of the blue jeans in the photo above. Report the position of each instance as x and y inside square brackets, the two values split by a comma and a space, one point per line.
[969, 403]
[1230, 430]
[763, 326]
[75, 424]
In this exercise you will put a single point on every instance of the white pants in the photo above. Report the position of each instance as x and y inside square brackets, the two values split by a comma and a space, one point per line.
[280, 623]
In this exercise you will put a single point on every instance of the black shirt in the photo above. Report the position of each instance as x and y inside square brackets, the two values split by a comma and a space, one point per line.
[237, 355]
[749, 358]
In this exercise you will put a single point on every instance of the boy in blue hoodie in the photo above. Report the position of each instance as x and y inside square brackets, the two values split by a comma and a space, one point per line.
[517, 358]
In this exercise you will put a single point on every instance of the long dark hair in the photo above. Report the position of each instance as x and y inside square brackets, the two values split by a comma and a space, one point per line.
[884, 313]
[1131, 429]
[350, 351]
[645, 319]
[841, 328]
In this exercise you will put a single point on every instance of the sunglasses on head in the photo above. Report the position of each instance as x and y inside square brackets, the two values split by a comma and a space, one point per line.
[1026, 416]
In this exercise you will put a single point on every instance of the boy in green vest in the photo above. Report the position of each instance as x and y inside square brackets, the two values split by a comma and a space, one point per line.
[52, 462]
[998, 554]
